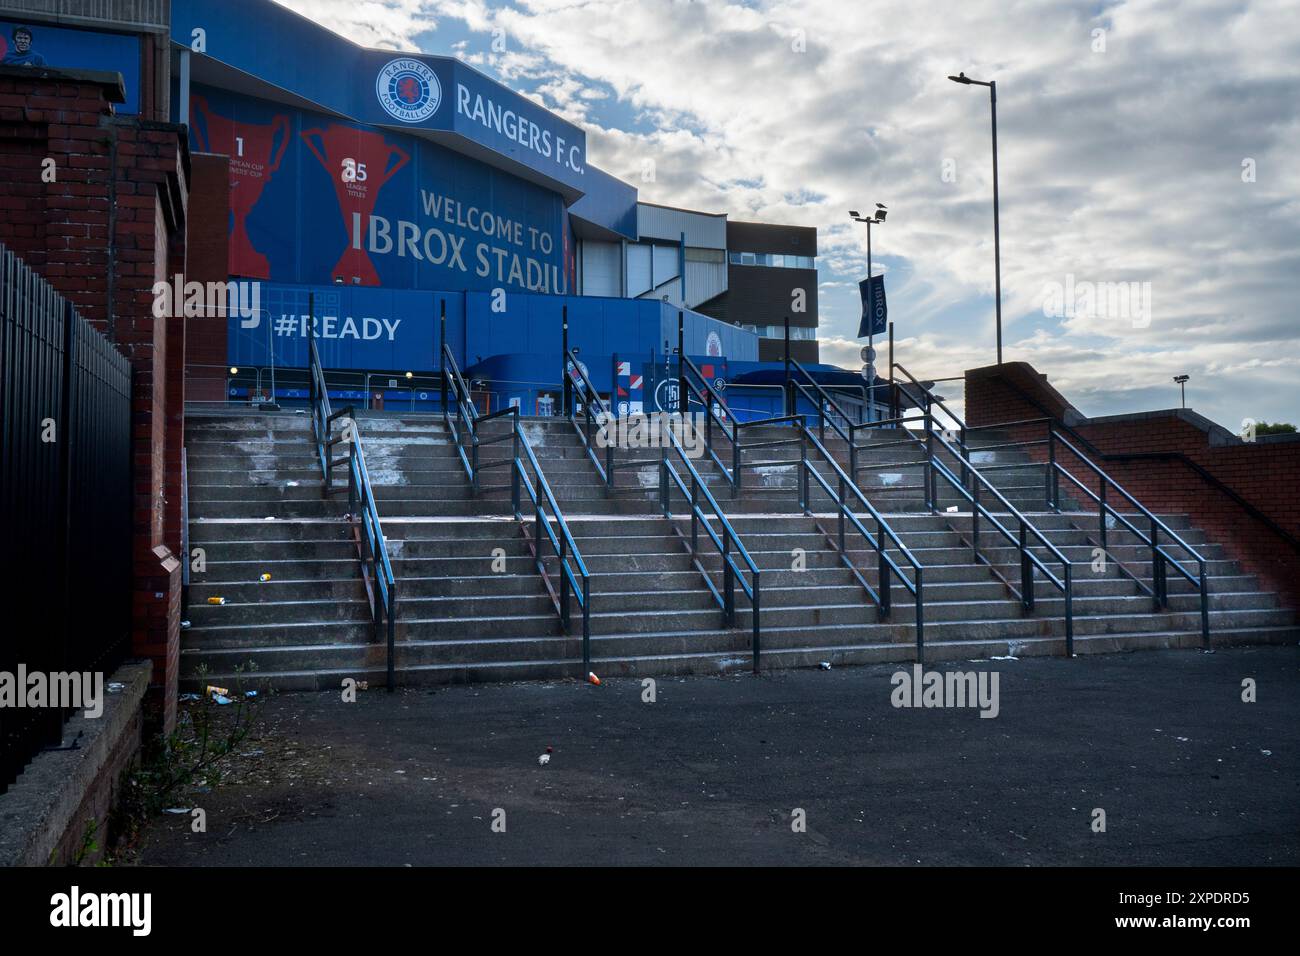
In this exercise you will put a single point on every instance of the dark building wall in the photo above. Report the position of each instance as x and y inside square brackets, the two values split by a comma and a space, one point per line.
[801, 350]
[767, 237]
[765, 295]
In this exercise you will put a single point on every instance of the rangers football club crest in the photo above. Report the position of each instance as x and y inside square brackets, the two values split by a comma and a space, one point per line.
[408, 90]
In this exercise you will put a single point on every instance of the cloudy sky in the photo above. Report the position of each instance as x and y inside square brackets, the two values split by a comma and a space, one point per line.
[1155, 144]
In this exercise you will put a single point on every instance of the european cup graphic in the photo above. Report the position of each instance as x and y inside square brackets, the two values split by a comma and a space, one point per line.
[358, 162]
[255, 151]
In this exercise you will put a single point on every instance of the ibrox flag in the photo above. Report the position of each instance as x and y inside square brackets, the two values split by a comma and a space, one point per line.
[875, 317]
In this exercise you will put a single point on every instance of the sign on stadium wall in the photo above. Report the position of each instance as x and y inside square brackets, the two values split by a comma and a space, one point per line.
[31, 44]
[314, 199]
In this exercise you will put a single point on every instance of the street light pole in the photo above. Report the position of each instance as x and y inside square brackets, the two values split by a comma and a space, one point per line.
[868, 250]
[997, 232]
[879, 216]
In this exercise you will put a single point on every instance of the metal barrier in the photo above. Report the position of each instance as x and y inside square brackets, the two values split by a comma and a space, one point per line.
[1160, 556]
[464, 429]
[730, 426]
[842, 423]
[596, 411]
[219, 386]
[67, 498]
[884, 535]
[726, 598]
[734, 431]
[368, 534]
[578, 391]
[185, 533]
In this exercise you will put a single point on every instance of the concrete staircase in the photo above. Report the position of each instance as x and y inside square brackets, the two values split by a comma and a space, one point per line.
[256, 508]
[471, 605]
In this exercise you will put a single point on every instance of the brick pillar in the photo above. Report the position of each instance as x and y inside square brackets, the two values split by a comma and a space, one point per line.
[151, 185]
[110, 225]
[207, 257]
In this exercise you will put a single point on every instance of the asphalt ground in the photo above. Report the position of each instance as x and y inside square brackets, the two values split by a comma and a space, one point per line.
[717, 769]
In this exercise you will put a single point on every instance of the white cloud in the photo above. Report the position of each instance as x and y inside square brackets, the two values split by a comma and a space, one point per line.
[1123, 165]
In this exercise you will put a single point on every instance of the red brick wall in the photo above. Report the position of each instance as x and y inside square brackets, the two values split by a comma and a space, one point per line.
[1265, 474]
[207, 259]
[994, 394]
[108, 226]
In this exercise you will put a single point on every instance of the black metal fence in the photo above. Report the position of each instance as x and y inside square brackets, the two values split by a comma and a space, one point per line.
[65, 489]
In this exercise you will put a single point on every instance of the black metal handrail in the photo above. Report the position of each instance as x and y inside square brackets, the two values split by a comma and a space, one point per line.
[724, 542]
[884, 533]
[1019, 540]
[596, 416]
[709, 398]
[738, 447]
[815, 393]
[186, 559]
[573, 576]
[1160, 556]
[372, 547]
[884, 536]
[1216, 483]
[821, 400]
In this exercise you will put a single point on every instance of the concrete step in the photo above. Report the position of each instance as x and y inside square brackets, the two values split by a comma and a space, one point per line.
[726, 651]
[206, 529]
[460, 619]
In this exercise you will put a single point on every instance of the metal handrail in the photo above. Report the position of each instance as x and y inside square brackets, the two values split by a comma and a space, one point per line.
[849, 431]
[884, 533]
[589, 399]
[1288, 538]
[737, 446]
[711, 400]
[1025, 529]
[881, 597]
[1158, 590]
[935, 466]
[724, 542]
[1054, 437]
[375, 563]
[574, 578]
[823, 396]
[185, 533]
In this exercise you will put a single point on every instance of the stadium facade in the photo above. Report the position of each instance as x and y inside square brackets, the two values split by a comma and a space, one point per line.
[382, 189]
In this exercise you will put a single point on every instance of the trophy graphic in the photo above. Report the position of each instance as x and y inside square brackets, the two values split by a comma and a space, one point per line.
[249, 146]
[358, 162]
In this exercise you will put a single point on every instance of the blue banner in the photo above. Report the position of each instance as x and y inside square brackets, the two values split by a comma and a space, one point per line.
[397, 330]
[875, 315]
[314, 199]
